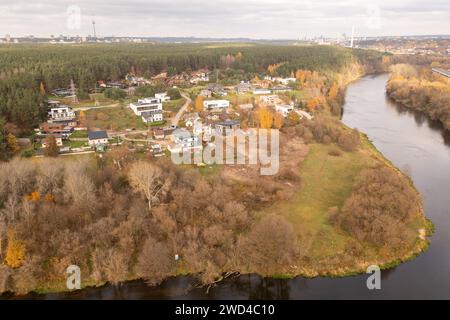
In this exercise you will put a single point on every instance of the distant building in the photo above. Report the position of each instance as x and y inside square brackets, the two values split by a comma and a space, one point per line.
[216, 104]
[98, 138]
[150, 109]
[185, 142]
[243, 87]
[163, 97]
[158, 134]
[279, 89]
[206, 93]
[261, 91]
[246, 106]
[284, 109]
[269, 100]
[58, 139]
[222, 127]
[152, 116]
[48, 128]
[58, 113]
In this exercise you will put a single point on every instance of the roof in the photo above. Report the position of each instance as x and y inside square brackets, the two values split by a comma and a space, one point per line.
[97, 135]
[228, 123]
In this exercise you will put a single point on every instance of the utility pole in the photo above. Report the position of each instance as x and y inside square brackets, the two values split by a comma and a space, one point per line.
[73, 91]
[93, 25]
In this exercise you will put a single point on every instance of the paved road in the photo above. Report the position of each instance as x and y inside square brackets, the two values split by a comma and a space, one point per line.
[182, 110]
[115, 105]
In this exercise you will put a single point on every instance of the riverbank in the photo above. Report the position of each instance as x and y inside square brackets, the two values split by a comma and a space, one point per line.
[423, 93]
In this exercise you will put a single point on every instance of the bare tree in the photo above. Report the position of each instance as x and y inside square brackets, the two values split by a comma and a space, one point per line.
[155, 262]
[147, 178]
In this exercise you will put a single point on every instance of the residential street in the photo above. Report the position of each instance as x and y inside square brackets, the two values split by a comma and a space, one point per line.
[183, 109]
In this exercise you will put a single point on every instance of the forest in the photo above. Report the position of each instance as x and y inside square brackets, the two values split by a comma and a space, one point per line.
[418, 88]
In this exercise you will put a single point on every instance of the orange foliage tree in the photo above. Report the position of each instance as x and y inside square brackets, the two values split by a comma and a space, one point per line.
[199, 104]
[15, 251]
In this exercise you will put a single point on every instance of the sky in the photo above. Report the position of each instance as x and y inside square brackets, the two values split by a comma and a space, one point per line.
[258, 19]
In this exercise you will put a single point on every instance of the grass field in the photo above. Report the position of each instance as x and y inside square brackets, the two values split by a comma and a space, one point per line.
[114, 119]
[326, 182]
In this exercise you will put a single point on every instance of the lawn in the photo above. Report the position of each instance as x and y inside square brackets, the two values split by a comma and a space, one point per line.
[117, 119]
[75, 144]
[79, 134]
[326, 182]
[174, 105]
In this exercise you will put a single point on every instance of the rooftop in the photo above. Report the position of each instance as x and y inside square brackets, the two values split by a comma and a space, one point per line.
[96, 135]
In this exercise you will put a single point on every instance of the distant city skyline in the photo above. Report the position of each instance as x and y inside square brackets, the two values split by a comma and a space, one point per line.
[262, 19]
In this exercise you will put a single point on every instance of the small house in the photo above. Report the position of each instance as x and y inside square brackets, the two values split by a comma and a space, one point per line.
[97, 138]
[230, 125]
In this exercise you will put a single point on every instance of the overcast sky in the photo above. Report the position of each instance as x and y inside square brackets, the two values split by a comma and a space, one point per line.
[267, 19]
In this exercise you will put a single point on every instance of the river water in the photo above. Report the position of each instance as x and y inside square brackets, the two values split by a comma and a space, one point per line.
[414, 144]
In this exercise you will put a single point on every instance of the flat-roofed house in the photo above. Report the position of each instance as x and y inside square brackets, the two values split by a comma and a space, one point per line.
[61, 113]
[152, 116]
[216, 104]
[147, 104]
[284, 109]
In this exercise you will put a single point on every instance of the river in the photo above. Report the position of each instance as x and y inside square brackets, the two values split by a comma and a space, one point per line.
[414, 144]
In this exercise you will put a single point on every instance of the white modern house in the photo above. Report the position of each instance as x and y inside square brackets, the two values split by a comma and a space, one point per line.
[284, 109]
[185, 142]
[61, 113]
[163, 97]
[150, 109]
[261, 91]
[216, 104]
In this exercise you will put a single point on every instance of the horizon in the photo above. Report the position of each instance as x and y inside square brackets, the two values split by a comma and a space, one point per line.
[225, 19]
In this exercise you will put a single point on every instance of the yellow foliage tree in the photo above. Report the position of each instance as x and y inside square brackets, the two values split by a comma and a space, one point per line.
[277, 120]
[334, 90]
[199, 104]
[15, 251]
[11, 140]
[265, 118]
[42, 89]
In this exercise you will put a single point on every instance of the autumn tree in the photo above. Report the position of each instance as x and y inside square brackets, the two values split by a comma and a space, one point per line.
[293, 118]
[278, 120]
[265, 118]
[313, 104]
[199, 103]
[42, 89]
[12, 143]
[52, 149]
[15, 251]
[333, 92]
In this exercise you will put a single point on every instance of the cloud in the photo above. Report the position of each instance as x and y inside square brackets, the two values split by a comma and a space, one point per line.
[227, 18]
